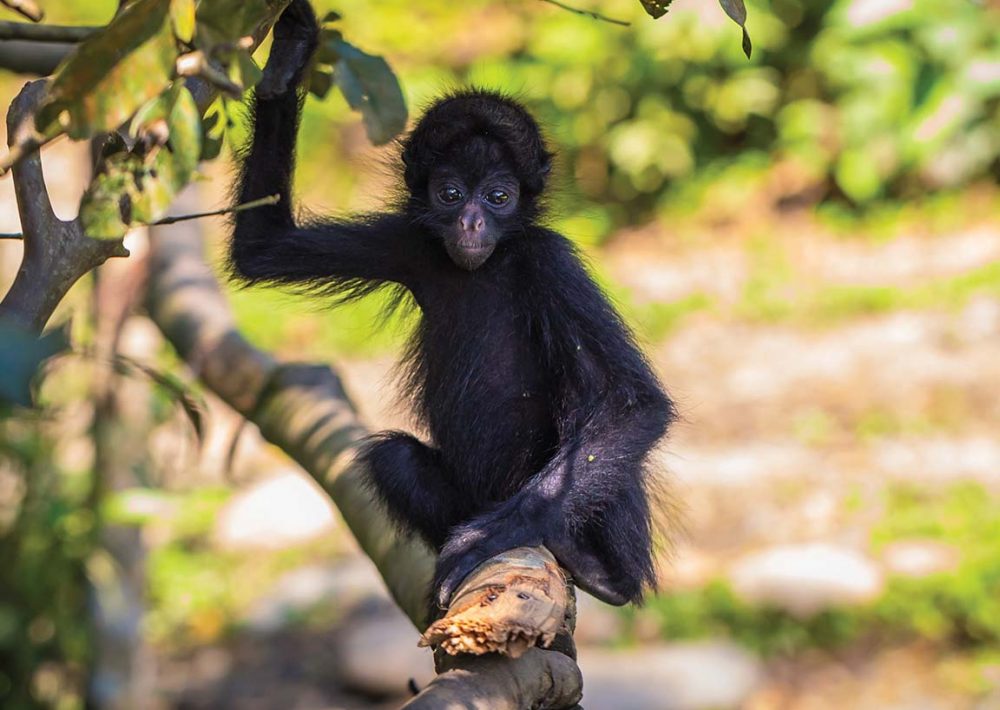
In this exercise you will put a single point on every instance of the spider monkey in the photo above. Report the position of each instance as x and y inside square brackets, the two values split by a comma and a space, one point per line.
[541, 410]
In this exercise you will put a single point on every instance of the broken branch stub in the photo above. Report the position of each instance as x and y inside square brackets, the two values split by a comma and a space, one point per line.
[512, 602]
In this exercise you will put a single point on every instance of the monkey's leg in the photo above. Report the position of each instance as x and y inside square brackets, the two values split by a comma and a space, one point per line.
[409, 478]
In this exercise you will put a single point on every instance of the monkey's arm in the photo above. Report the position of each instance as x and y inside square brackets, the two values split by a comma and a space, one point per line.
[590, 503]
[347, 257]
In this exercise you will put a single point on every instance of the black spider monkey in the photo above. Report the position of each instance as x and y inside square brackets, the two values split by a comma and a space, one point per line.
[540, 407]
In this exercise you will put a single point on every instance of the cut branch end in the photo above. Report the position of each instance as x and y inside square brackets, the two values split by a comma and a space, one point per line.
[511, 603]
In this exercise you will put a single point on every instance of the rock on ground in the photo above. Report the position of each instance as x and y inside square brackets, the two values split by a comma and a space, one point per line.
[284, 510]
[680, 676]
[378, 653]
[808, 578]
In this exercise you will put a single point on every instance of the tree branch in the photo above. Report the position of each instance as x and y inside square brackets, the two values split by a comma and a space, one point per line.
[304, 410]
[37, 58]
[56, 253]
[588, 13]
[45, 33]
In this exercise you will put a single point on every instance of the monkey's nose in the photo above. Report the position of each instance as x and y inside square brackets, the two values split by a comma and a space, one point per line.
[471, 223]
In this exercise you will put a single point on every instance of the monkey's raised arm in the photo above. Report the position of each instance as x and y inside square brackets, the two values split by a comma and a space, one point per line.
[349, 258]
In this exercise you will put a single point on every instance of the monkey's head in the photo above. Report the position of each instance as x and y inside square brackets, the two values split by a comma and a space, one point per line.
[475, 168]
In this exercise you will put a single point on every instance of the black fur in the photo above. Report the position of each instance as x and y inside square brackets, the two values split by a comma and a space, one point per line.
[540, 407]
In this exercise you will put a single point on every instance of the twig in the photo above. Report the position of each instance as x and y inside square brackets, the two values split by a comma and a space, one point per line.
[29, 143]
[27, 8]
[45, 33]
[262, 202]
[197, 64]
[588, 13]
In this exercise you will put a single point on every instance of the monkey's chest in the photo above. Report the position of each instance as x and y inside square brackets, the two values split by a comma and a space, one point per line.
[487, 397]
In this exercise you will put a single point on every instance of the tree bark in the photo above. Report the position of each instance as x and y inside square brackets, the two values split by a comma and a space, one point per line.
[56, 253]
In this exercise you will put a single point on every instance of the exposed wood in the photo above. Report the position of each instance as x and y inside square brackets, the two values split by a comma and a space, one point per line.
[511, 603]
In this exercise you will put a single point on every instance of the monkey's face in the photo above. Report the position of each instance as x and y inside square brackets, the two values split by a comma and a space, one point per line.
[472, 215]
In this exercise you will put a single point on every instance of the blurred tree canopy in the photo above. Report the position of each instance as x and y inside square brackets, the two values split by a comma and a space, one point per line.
[859, 101]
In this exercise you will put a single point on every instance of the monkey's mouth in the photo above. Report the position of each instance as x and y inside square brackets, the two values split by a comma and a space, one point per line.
[469, 257]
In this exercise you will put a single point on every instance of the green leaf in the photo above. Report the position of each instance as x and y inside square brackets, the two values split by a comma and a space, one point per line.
[329, 41]
[185, 133]
[655, 8]
[182, 16]
[737, 12]
[110, 75]
[213, 128]
[320, 83]
[243, 70]
[369, 86]
[137, 186]
[22, 353]
[105, 208]
[331, 16]
[857, 175]
[225, 21]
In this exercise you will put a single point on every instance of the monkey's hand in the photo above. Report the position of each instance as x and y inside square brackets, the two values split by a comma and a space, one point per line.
[527, 520]
[474, 542]
[296, 36]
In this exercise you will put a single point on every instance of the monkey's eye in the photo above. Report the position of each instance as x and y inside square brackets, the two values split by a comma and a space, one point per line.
[449, 195]
[497, 197]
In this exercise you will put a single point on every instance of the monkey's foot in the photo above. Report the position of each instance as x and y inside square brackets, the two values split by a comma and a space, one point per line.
[510, 603]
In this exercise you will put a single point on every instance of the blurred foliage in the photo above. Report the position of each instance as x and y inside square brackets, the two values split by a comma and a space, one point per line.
[856, 107]
[865, 106]
[47, 535]
[133, 70]
[856, 103]
[958, 607]
[21, 355]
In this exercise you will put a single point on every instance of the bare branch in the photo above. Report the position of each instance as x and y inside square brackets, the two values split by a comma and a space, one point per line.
[263, 201]
[538, 679]
[252, 204]
[197, 64]
[37, 58]
[46, 33]
[588, 13]
[26, 8]
[56, 253]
